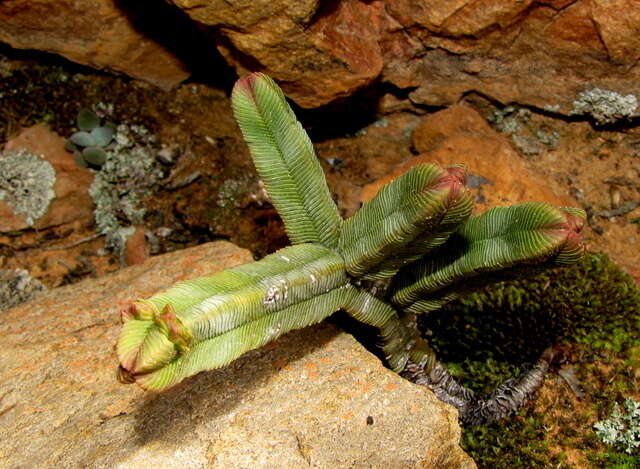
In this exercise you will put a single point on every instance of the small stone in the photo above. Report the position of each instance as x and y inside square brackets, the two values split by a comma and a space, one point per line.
[435, 128]
[136, 249]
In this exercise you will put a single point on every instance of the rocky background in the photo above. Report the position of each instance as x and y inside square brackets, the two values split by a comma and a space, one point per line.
[538, 98]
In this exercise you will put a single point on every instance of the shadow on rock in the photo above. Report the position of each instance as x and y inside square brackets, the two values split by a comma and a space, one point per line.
[207, 398]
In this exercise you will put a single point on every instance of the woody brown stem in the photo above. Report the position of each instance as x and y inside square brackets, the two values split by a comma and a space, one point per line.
[503, 402]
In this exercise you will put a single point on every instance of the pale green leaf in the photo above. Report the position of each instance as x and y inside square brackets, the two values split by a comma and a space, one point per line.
[501, 238]
[222, 349]
[408, 217]
[234, 311]
[286, 161]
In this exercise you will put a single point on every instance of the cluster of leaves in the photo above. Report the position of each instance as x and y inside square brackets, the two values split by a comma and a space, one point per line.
[90, 142]
[411, 249]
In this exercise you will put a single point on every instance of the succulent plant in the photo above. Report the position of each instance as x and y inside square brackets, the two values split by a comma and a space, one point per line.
[88, 144]
[409, 250]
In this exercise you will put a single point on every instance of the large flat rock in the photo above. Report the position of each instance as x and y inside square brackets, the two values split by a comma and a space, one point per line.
[315, 398]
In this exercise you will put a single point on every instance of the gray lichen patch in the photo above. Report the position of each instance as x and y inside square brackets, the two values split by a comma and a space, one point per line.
[26, 184]
[129, 175]
[16, 287]
[605, 106]
[525, 130]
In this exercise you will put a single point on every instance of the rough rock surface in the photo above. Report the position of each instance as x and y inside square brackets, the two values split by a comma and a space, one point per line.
[535, 53]
[72, 201]
[303, 401]
[497, 174]
[541, 54]
[97, 33]
[318, 52]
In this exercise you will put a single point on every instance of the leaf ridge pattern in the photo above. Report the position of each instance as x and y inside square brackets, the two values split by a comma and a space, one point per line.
[223, 349]
[284, 157]
[424, 204]
[498, 239]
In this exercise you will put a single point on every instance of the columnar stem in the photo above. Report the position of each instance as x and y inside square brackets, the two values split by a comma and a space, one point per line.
[503, 402]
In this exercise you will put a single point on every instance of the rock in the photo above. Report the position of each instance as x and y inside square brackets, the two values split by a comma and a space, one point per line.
[318, 53]
[617, 26]
[304, 400]
[71, 201]
[435, 128]
[498, 175]
[97, 33]
[358, 160]
[136, 250]
[540, 54]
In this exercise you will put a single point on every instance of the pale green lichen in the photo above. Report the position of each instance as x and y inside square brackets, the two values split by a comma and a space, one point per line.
[605, 106]
[525, 135]
[509, 119]
[129, 175]
[26, 184]
[622, 428]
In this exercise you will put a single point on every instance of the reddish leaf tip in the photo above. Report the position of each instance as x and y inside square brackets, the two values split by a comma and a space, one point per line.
[128, 312]
[454, 179]
[246, 85]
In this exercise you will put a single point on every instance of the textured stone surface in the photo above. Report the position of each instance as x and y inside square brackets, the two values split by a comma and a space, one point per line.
[317, 52]
[97, 33]
[535, 53]
[302, 401]
[72, 201]
[498, 175]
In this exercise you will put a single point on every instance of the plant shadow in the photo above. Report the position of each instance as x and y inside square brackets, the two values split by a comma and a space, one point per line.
[171, 416]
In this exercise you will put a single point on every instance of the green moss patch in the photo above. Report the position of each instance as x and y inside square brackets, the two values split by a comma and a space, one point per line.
[592, 310]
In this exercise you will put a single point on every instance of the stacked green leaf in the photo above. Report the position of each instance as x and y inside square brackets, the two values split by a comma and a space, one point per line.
[230, 313]
[416, 232]
[501, 238]
[286, 162]
[409, 217]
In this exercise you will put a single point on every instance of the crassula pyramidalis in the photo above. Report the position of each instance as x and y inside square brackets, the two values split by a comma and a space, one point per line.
[411, 249]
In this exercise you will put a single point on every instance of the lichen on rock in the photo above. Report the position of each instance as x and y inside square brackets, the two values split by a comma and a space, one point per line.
[16, 287]
[26, 184]
[128, 175]
[605, 106]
